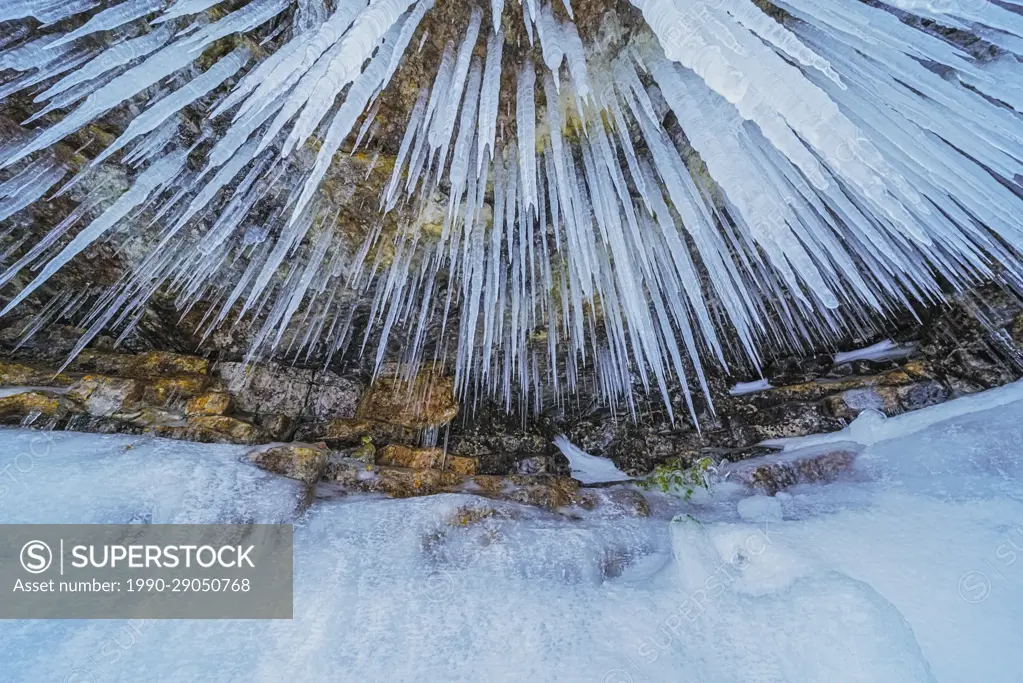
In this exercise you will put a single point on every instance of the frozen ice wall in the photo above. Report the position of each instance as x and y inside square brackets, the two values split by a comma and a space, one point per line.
[906, 571]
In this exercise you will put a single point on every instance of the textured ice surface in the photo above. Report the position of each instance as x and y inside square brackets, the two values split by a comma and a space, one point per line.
[66, 477]
[750, 387]
[587, 468]
[907, 572]
[883, 350]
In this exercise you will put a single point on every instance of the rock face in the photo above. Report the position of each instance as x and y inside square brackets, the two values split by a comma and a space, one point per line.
[427, 401]
[271, 389]
[106, 396]
[213, 403]
[411, 425]
[345, 432]
[18, 374]
[212, 429]
[424, 458]
[22, 406]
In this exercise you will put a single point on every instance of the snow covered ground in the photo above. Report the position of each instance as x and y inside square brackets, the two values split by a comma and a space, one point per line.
[907, 571]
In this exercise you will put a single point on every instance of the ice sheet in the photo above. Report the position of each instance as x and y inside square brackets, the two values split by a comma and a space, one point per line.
[906, 572]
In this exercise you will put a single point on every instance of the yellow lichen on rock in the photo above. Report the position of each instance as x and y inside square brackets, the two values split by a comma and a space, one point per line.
[29, 402]
[213, 403]
[396, 455]
[19, 374]
[165, 390]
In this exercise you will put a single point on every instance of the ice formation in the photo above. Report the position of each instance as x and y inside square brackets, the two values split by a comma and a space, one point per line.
[822, 167]
[589, 469]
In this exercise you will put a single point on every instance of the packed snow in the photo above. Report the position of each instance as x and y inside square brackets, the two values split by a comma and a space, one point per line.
[906, 570]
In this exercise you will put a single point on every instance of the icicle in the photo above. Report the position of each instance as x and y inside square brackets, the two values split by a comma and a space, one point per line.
[309, 14]
[28, 186]
[111, 18]
[461, 70]
[496, 10]
[550, 34]
[489, 99]
[152, 70]
[575, 56]
[754, 19]
[525, 118]
[407, 30]
[46, 11]
[33, 54]
[466, 136]
[163, 109]
[369, 82]
[357, 44]
[120, 54]
[155, 177]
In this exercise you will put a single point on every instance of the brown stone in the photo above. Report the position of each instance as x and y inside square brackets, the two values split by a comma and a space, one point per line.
[852, 402]
[304, 462]
[471, 514]
[140, 366]
[213, 429]
[396, 455]
[624, 499]
[167, 390]
[429, 402]
[18, 374]
[26, 403]
[461, 465]
[147, 416]
[923, 394]
[275, 389]
[398, 482]
[214, 403]
[547, 492]
[160, 363]
[333, 396]
[103, 395]
[415, 458]
[346, 432]
[818, 389]
[279, 427]
[775, 472]
[543, 490]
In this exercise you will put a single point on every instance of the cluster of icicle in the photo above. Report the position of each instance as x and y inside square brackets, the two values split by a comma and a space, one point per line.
[834, 168]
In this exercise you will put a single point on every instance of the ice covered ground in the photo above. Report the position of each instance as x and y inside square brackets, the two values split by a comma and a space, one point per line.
[907, 571]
